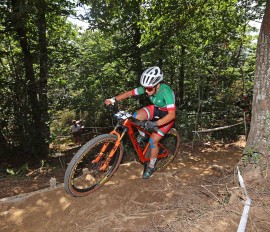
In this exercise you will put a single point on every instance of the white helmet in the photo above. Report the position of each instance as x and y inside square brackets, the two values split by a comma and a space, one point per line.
[151, 77]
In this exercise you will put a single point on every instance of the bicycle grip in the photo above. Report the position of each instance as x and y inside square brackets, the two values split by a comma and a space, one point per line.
[111, 108]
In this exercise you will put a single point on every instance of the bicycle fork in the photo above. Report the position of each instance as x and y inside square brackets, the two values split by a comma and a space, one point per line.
[112, 152]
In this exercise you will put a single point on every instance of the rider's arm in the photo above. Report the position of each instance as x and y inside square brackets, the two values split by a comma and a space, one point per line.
[119, 97]
[123, 96]
[167, 118]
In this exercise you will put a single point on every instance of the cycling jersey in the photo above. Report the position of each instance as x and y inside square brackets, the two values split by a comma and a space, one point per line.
[164, 99]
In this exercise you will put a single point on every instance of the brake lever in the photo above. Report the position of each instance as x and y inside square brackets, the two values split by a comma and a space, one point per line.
[111, 108]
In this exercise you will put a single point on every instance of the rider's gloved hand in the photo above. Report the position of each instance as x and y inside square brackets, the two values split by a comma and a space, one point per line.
[150, 125]
[110, 101]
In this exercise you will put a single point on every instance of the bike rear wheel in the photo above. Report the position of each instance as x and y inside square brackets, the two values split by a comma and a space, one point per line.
[170, 141]
[84, 174]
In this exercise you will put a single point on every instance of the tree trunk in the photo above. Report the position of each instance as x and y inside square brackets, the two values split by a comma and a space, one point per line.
[43, 75]
[34, 142]
[258, 139]
[27, 143]
[137, 51]
[182, 77]
[137, 40]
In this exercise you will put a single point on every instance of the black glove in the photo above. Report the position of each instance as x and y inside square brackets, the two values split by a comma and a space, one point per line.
[150, 125]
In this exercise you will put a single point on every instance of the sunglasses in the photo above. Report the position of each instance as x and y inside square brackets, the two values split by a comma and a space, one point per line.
[149, 89]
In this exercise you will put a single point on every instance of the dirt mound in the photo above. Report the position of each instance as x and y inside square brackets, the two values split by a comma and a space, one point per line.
[198, 192]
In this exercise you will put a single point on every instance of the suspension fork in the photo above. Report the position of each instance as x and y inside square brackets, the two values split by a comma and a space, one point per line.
[104, 147]
[112, 152]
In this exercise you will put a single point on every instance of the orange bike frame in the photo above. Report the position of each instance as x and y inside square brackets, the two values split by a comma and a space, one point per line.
[141, 153]
[129, 125]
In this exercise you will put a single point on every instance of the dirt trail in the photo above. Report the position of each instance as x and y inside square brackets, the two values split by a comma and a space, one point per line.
[173, 200]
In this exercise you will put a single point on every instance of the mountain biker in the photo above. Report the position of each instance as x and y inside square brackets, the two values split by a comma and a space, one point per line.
[163, 107]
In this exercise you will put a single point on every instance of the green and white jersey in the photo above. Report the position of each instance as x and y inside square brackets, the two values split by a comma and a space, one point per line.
[164, 98]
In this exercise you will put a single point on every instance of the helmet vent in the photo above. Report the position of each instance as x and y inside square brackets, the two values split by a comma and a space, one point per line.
[151, 77]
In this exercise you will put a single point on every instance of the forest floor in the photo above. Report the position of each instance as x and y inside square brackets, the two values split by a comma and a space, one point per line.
[199, 191]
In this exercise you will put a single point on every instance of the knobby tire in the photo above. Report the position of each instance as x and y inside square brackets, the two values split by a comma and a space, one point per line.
[82, 176]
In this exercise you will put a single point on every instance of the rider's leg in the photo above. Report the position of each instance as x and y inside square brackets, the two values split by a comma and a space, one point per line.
[146, 113]
[140, 114]
[154, 140]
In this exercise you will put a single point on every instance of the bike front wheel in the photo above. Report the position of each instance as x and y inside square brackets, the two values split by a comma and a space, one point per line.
[91, 167]
[171, 142]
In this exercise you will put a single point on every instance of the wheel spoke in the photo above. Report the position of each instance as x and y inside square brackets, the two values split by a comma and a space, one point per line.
[83, 175]
[171, 142]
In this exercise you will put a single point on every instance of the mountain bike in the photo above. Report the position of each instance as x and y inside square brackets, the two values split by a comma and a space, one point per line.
[96, 161]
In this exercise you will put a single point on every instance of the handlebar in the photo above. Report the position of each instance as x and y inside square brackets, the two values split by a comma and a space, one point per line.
[123, 115]
[112, 108]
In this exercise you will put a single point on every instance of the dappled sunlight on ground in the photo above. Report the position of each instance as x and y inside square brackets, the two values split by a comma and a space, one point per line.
[193, 194]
